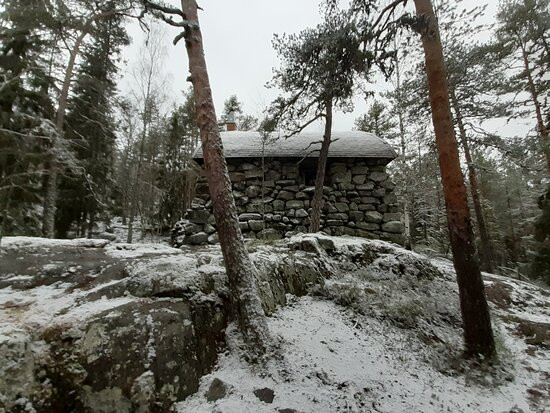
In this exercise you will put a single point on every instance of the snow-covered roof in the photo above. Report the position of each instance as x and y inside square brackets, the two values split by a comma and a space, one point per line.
[350, 144]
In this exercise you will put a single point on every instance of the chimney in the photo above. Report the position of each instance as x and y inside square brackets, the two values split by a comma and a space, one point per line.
[230, 124]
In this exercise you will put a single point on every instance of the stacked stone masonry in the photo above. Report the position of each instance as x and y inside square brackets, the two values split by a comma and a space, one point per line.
[359, 201]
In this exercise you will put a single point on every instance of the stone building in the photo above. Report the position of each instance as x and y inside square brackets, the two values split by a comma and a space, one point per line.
[273, 183]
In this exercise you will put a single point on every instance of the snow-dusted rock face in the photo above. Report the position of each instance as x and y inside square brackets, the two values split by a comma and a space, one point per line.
[101, 327]
[94, 326]
[275, 202]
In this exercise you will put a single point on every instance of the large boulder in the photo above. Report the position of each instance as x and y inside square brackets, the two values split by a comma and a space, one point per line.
[104, 328]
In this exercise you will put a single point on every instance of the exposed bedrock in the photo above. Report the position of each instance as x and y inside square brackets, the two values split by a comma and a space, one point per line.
[119, 328]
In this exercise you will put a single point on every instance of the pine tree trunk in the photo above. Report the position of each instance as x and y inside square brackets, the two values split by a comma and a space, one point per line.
[50, 197]
[473, 304]
[52, 167]
[541, 126]
[241, 273]
[487, 255]
[317, 201]
[408, 241]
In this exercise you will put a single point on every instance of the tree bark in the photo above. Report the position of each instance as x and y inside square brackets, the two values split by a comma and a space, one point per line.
[241, 272]
[317, 201]
[541, 126]
[408, 241]
[50, 197]
[487, 254]
[478, 333]
[52, 167]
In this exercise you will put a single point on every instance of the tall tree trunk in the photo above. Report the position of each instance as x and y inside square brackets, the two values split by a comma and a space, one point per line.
[541, 126]
[50, 197]
[317, 201]
[52, 167]
[405, 201]
[130, 234]
[487, 254]
[473, 304]
[241, 272]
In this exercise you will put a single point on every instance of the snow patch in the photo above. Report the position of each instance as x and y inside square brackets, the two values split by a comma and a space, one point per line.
[335, 360]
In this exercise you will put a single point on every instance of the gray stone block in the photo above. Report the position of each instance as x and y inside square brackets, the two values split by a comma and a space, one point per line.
[198, 216]
[370, 200]
[373, 216]
[256, 225]
[295, 204]
[346, 186]
[341, 177]
[367, 186]
[338, 215]
[286, 195]
[278, 205]
[197, 239]
[249, 216]
[253, 191]
[366, 207]
[388, 216]
[209, 229]
[341, 206]
[356, 216]
[237, 176]
[190, 228]
[378, 176]
[253, 173]
[359, 169]
[379, 192]
[368, 226]
[395, 227]
[269, 234]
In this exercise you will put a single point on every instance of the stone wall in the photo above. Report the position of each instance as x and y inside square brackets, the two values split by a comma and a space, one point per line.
[359, 201]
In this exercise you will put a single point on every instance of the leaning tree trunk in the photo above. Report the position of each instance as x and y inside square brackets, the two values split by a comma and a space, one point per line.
[317, 201]
[473, 304]
[488, 260]
[241, 273]
[50, 197]
[541, 126]
[50, 184]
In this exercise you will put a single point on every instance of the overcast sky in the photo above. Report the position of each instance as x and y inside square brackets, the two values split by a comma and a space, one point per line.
[237, 39]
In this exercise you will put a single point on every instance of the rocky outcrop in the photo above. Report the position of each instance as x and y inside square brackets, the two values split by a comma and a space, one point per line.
[359, 201]
[100, 327]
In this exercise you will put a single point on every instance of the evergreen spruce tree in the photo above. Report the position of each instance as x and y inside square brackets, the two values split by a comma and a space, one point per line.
[25, 112]
[91, 130]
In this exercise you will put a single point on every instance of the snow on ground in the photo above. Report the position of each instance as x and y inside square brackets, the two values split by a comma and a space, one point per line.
[334, 360]
[40, 306]
[383, 338]
[366, 357]
[12, 243]
[123, 250]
